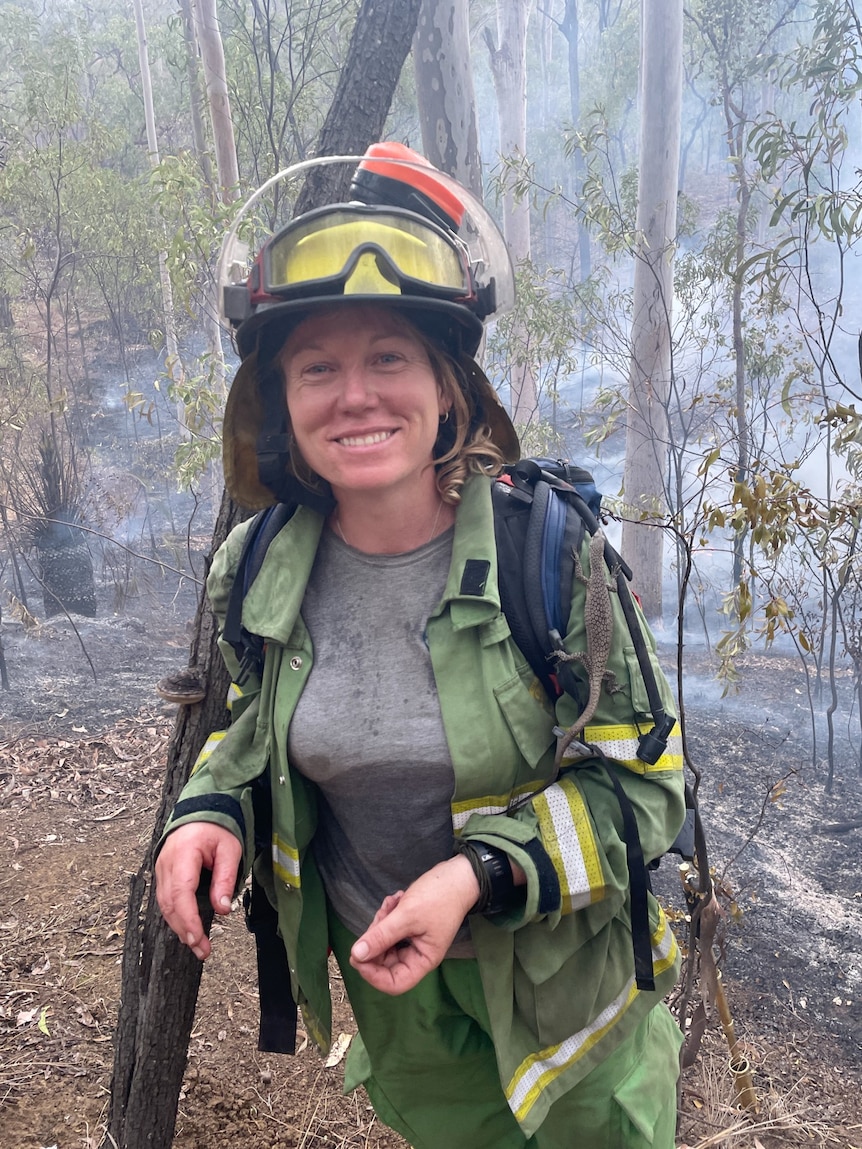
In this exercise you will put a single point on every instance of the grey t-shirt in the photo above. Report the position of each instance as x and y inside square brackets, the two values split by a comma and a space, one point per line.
[368, 729]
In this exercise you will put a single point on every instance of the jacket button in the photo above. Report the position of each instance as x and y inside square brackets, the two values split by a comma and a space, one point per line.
[296, 663]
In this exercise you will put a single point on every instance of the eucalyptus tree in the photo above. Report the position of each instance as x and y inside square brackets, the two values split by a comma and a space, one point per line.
[507, 52]
[650, 367]
[809, 163]
[283, 64]
[445, 92]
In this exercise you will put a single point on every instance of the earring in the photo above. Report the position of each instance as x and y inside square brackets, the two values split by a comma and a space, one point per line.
[444, 418]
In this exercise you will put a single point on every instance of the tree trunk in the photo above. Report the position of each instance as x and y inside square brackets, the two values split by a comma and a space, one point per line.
[173, 362]
[196, 96]
[212, 55]
[571, 30]
[509, 70]
[65, 571]
[375, 56]
[160, 976]
[208, 33]
[645, 467]
[444, 90]
[7, 321]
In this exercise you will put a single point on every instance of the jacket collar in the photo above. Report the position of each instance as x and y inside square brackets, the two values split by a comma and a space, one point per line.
[472, 591]
[272, 604]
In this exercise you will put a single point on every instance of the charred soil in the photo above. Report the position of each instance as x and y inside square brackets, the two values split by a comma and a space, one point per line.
[81, 763]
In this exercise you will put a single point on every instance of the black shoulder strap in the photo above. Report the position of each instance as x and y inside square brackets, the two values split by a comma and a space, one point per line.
[264, 527]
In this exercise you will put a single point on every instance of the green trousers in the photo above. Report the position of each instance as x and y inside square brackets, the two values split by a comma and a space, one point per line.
[428, 1064]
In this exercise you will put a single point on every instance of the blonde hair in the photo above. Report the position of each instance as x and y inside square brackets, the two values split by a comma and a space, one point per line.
[464, 446]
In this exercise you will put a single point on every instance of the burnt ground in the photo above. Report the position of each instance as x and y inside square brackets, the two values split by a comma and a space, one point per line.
[80, 772]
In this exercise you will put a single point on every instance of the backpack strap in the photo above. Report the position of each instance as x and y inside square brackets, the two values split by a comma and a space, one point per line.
[249, 647]
[278, 1010]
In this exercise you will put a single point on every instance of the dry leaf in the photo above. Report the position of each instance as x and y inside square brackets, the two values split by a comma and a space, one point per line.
[339, 1047]
[43, 1021]
[85, 1017]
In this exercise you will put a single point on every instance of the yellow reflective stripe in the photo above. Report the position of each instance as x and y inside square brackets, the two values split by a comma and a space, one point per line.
[285, 861]
[567, 835]
[537, 1071]
[621, 744]
[207, 749]
[316, 1032]
[488, 804]
[233, 695]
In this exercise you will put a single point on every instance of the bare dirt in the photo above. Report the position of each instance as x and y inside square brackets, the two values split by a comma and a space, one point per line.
[81, 761]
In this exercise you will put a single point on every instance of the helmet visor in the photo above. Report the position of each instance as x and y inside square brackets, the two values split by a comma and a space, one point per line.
[325, 249]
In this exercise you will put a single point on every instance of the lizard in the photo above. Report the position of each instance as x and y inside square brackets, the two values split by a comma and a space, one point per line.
[599, 625]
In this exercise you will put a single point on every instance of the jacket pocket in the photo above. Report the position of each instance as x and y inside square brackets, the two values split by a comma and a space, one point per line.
[529, 723]
[646, 1096]
[640, 698]
[558, 984]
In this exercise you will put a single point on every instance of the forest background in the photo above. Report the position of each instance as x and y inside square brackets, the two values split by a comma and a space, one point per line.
[116, 192]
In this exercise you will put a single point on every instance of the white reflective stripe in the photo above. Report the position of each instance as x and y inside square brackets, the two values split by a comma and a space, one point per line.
[621, 744]
[207, 749]
[234, 693]
[567, 835]
[488, 804]
[537, 1071]
[285, 862]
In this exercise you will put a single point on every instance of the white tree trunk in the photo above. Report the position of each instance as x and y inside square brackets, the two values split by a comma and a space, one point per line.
[212, 56]
[644, 476]
[509, 69]
[173, 362]
[227, 166]
[444, 90]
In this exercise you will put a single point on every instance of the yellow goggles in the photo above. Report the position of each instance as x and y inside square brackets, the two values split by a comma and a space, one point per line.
[366, 250]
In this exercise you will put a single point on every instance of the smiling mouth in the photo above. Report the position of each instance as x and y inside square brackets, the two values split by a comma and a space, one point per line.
[365, 440]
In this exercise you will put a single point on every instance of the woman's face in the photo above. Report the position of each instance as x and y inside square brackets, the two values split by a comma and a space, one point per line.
[364, 403]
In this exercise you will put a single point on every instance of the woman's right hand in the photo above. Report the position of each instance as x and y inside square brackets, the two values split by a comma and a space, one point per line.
[187, 851]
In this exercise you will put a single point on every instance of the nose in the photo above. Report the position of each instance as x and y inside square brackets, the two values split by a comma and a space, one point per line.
[358, 392]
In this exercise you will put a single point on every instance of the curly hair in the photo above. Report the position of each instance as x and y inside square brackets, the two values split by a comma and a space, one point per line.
[464, 446]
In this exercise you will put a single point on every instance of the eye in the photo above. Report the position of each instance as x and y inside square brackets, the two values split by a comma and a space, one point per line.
[314, 370]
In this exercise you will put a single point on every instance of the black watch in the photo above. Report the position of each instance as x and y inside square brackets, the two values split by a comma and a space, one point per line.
[493, 870]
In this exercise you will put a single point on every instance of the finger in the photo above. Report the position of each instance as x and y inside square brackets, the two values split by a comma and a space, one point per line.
[383, 934]
[176, 897]
[394, 976]
[224, 874]
[387, 906]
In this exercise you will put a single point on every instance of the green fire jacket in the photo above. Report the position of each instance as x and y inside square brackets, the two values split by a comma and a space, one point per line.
[558, 974]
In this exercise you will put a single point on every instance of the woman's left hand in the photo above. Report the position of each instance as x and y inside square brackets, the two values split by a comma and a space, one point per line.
[413, 929]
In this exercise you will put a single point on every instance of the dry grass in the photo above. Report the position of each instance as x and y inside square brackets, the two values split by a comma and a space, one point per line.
[785, 1118]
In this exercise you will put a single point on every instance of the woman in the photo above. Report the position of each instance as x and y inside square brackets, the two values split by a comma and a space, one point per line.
[478, 909]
